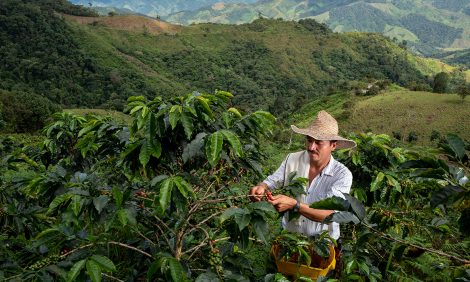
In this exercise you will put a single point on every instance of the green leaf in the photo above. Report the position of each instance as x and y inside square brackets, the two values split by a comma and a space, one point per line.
[150, 147]
[391, 181]
[100, 202]
[194, 148]
[234, 141]
[214, 147]
[243, 219]
[130, 149]
[152, 270]
[184, 187]
[262, 206]
[230, 212]
[165, 193]
[457, 145]
[357, 207]
[136, 99]
[177, 271]
[58, 271]
[235, 112]
[363, 266]
[350, 266]
[342, 217]
[75, 270]
[104, 262]
[117, 195]
[151, 127]
[377, 181]
[442, 196]
[158, 179]
[94, 270]
[209, 277]
[261, 229]
[174, 115]
[204, 102]
[145, 112]
[188, 124]
[59, 200]
[76, 204]
[135, 109]
[122, 215]
[145, 153]
[333, 203]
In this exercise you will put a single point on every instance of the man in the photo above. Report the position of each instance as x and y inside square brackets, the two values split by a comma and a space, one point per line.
[326, 177]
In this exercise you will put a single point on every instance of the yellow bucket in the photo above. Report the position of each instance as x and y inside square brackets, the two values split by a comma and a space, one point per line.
[295, 269]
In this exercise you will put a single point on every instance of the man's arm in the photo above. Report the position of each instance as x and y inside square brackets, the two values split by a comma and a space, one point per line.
[271, 182]
[342, 185]
[283, 203]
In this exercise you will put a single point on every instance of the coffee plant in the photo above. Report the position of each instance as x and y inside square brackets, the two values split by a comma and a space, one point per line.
[165, 199]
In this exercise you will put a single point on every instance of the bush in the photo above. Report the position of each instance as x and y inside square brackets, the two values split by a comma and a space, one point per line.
[397, 135]
[435, 136]
[441, 81]
[463, 90]
[25, 112]
[412, 136]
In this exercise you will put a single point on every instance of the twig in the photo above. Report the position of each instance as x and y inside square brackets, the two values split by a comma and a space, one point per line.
[112, 277]
[437, 252]
[101, 243]
[200, 245]
[76, 249]
[130, 247]
[204, 221]
[143, 236]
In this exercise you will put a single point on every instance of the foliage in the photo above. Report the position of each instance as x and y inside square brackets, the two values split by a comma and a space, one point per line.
[78, 65]
[463, 90]
[25, 112]
[165, 199]
[156, 196]
[300, 249]
[407, 231]
[441, 81]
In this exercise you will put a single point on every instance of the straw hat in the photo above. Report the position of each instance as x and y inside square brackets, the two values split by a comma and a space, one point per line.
[325, 127]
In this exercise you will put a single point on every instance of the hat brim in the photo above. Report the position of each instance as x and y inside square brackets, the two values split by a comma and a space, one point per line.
[341, 143]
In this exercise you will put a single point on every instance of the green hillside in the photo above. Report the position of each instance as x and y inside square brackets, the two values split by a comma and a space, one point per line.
[84, 61]
[428, 26]
[398, 111]
[461, 57]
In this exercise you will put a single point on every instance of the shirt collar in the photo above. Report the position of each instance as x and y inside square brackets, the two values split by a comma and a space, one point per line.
[328, 170]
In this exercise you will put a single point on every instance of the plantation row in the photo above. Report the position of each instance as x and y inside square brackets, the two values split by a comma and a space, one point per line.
[165, 199]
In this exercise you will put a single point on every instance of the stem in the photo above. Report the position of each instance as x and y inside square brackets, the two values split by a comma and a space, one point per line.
[131, 248]
[102, 243]
[76, 249]
[437, 252]
[111, 277]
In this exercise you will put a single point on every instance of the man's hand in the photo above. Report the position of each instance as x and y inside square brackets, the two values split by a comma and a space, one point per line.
[257, 192]
[282, 202]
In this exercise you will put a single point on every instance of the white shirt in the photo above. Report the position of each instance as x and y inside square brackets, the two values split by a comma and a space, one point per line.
[333, 180]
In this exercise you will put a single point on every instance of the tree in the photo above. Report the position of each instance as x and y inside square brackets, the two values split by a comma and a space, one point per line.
[441, 81]
[25, 112]
[463, 90]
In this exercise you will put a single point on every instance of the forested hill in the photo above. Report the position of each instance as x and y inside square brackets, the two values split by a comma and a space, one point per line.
[84, 61]
[427, 26]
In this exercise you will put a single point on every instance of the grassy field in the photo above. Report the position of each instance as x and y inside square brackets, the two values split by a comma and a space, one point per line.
[401, 111]
[408, 111]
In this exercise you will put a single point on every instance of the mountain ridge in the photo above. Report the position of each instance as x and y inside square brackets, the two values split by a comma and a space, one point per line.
[268, 64]
[428, 27]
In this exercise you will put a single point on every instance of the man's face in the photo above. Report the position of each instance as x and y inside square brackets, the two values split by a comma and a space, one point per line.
[319, 150]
